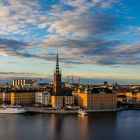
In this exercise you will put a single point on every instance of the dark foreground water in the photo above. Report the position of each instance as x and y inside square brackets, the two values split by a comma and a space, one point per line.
[124, 125]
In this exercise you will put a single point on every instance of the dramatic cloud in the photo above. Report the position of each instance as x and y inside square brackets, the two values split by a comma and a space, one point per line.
[11, 47]
[85, 32]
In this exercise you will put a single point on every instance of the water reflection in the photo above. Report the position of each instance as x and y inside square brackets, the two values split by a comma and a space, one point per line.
[96, 126]
[102, 126]
[56, 127]
[83, 126]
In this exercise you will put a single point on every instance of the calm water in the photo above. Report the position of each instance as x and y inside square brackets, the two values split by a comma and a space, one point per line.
[124, 125]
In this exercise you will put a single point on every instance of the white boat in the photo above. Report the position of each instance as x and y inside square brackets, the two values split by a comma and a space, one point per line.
[12, 110]
[82, 112]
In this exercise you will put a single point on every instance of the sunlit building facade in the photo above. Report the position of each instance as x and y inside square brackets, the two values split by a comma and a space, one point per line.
[62, 101]
[6, 98]
[43, 98]
[99, 99]
[23, 98]
[133, 97]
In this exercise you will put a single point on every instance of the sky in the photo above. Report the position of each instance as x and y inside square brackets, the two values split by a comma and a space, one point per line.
[98, 39]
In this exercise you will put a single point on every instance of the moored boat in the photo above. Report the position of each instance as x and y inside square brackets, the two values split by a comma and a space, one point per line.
[82, 112]
[12, 110]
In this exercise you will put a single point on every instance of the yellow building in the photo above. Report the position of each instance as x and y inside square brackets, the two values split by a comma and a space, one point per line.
[57, 101]
[100, 100]
[133, 97]
[23, 98]
[61, 101]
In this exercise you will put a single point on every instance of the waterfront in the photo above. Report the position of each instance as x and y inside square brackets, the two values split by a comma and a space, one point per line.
[96, 126]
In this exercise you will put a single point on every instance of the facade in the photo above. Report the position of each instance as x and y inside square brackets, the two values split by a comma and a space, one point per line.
[0, 97]
[99, 100]
[6, 97]
[22, 98]
[57, 101]
[133, 97]
[22, 82]
[68, 100]
[61, 101]
[43, 98]
[121, 97]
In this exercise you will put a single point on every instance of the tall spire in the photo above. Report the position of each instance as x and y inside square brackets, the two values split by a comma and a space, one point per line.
[57, 79]
[57, 63]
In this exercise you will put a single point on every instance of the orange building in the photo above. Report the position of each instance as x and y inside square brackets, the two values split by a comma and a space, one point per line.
[133, 97]
[22, 98]
[96, 100]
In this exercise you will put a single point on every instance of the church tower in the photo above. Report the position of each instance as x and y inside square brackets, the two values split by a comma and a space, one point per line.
[57, 89]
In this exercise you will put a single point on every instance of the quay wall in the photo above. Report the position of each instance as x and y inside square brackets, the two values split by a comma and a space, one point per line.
[44, 110]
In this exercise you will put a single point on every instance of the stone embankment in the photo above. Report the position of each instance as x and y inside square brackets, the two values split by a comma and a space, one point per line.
[62, 111]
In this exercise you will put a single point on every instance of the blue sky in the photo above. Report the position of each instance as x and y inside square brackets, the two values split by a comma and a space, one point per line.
[96, 39]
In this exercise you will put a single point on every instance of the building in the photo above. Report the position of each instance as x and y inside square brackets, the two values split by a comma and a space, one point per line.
[121, 99]
[43, 98]
[121, 96]
[22, 82]
[5, 95]
[59, 98]
[6, 98]
[57, 101]
[133, 97]
[57, 87]
[68, 100]
[22, 97]
[0, 97]
[97, 98]
[62, 101]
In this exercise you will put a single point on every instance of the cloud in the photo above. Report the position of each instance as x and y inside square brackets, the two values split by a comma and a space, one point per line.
[11, 47]
[131, 31]
[4, 12]
[17, 48]
[16, 15]
[81, 29]
[20, 75]
[93, 24]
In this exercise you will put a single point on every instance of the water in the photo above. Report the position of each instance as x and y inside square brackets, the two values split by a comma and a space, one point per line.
[124, 125]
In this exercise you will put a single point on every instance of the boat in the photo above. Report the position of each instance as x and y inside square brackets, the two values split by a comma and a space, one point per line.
[82, 112]
[12, 110]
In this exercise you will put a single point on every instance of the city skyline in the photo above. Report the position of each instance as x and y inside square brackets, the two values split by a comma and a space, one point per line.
[96, 39]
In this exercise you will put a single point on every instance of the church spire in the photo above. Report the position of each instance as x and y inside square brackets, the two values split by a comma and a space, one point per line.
[57, 63]
[57, 89]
